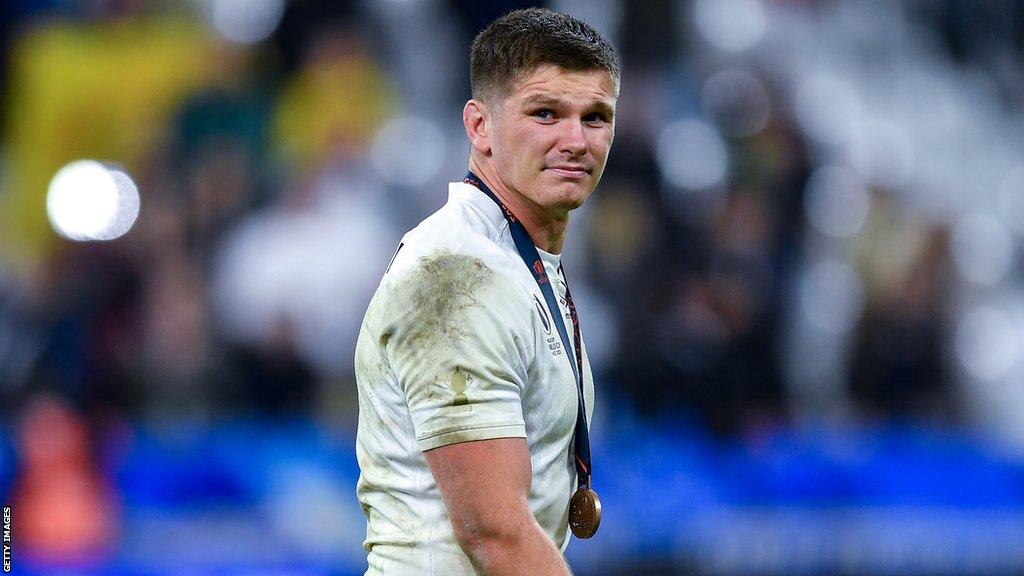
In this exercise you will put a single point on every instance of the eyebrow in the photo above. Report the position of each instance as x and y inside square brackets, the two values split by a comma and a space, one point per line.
[542, 100]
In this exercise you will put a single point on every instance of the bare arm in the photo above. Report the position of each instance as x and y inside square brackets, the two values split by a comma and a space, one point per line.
[485, 485]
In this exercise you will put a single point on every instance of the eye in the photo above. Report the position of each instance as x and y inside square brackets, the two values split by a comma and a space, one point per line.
[544, 114]
[596, 118]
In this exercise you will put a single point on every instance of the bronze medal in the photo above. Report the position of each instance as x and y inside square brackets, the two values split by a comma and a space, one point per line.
[584, 513]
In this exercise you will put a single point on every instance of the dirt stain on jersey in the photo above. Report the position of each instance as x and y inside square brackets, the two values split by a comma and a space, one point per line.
[436, 300]
[370, 368]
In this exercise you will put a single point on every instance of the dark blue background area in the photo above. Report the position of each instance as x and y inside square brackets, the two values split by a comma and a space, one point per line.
[665, 486]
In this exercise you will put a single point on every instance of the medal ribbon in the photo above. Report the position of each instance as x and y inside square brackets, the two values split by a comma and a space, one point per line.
[528, 252]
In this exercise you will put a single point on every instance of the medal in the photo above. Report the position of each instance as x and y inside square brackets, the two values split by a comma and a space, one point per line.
[584, 512]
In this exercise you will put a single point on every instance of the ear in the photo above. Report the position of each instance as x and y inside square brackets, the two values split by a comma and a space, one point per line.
[477, 119]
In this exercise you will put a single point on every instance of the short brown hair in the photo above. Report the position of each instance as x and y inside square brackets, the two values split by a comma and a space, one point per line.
[514, 45]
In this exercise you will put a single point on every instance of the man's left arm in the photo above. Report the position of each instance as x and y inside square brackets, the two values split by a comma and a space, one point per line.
[485, 485]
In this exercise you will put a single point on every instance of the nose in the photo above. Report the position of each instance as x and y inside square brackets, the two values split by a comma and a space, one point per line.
[574, 140]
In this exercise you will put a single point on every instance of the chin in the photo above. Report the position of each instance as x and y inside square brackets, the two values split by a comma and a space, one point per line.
[570, 196]
[561, 193]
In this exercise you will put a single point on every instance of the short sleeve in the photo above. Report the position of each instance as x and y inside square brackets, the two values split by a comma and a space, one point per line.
[454, 340]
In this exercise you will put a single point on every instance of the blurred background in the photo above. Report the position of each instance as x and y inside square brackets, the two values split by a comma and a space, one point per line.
[800, 278]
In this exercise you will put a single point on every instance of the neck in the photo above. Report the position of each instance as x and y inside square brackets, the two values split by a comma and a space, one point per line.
[546, 227]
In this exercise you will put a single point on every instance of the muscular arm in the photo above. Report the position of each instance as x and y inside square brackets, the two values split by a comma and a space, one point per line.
[485, 485]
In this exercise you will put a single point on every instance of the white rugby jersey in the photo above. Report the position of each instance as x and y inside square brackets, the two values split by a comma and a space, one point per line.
[457, 345]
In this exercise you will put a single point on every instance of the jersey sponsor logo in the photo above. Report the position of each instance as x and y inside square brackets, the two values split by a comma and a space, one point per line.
[543, 315]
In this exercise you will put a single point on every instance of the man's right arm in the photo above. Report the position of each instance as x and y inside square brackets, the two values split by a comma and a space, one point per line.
[485, 485]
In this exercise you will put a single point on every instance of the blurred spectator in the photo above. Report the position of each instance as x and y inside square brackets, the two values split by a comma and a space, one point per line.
[69, 512]
[220, 145]
[328, 241]
[897, 366]
[82, 313]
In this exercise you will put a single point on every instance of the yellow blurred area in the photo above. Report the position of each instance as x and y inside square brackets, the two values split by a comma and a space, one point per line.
[99, 90]
[334, 104]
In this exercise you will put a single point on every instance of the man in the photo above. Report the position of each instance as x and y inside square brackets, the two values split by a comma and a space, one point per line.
[470, 365]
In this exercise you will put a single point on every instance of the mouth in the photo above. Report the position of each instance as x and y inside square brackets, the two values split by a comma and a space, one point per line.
[569, 171]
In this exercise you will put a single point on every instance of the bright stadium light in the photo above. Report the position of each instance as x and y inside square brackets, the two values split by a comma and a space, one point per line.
[88, 200]
[127, 206]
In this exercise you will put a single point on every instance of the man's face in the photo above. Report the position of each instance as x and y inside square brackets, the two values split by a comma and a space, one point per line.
[551, 135]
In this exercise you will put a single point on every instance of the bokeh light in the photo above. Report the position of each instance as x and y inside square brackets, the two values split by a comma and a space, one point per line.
[827, 109]
[737, 101]
[988, 344]
[983, 248]
[836, 202]
[883, 153]
[832, 296]
[731, 25]
[1010, 200]
[692, 155]
[88, 200]
[245, 21]
[408, 150]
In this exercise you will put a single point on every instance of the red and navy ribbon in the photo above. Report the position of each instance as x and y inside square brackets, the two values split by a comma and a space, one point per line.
[528, 252]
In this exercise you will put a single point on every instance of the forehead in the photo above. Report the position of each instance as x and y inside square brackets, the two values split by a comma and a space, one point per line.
[578, 86]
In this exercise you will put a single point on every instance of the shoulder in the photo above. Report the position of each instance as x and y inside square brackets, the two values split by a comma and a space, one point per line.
[455, 295]
[457, 268]
[457, 241]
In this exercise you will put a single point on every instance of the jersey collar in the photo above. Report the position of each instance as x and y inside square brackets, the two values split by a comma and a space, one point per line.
[463, 193]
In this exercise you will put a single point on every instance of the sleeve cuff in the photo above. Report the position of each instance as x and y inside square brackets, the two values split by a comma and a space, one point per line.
[449, 436]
